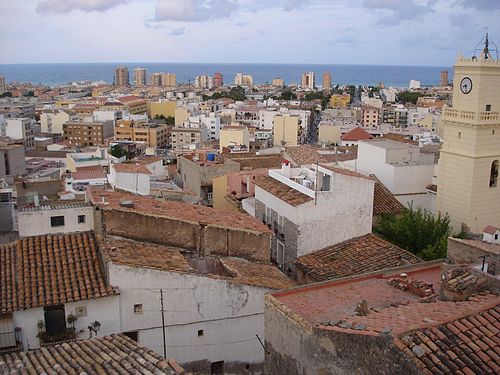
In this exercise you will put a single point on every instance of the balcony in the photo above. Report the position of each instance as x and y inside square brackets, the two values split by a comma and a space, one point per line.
[11, 341]
[479, 118]
[66, 335]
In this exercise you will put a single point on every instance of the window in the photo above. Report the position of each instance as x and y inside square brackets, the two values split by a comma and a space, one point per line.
[55, 320]
[493, 132]
[280, 254]
[200, 332]
[488, 107]
[57, 221]
[459, 135]
[494, 174]
[138, 308]
[217, 368]
[81, 219]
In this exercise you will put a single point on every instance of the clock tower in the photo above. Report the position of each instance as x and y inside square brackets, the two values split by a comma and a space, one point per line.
[468, 178]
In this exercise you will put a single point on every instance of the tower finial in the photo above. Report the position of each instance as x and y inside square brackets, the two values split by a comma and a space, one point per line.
[486, 51]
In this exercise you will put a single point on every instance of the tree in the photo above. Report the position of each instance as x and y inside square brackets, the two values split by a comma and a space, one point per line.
[29, 94]
[417, 231]
[409, 97]
[170, 120]
[117, 151]
[6, 94]
[288, 95]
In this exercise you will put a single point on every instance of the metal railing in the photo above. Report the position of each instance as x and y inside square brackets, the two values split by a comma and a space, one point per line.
[67, 335]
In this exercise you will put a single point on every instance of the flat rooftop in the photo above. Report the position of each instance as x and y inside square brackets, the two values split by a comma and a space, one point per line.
[387, 144]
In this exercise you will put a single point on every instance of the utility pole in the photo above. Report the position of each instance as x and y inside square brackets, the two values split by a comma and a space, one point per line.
[163, 325]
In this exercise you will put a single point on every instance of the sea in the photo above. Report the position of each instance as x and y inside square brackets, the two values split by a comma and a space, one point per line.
[390, 75]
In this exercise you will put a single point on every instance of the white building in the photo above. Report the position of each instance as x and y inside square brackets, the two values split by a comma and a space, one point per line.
[401, 167]
[491, 234]
[55, 218]
[210, 121]
[388, 95]
[52, 121]
[308, 80]
[20, 129]
[311, 207]
[414, 84]
[134, 178]
[245, 80]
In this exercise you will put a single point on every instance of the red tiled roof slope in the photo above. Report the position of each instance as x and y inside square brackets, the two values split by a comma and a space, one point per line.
[359, 255]
[50, 270]
[490, 229]
[176, 210]
[131, 168]
[466, 346]
[115, 354]
[384, 202]
[356, 134]
[89, 173]
[280, 190]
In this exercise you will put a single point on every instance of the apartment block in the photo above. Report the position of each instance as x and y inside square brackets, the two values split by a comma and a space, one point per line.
[308, 80]
[52, 121]
[154, 135]
[140, 77]
[121, 76]
[87, 133]
[340, 100]
[20, 129]
[286, 130]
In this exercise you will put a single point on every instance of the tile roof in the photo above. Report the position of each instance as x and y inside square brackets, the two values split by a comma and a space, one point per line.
[399, 138]
[131, 168]
[258, 162]
[89, 173]
[114, 355]
[50, 270]
[356, 134]
[384, 202]
[490, 229]
[280, 190]
[307, 154]
[353, 257]
[466, 346]
[346, 172]
[177, 210]
[147, 255]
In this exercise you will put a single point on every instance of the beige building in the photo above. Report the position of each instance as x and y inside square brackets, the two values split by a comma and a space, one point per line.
[87, 133]
[329, 133]
[308, 80]
[121, 76]
[140, 77]
[234, 137]
[468, 179]
[168, 80]
[370, 116]
[180, 137]
[155, 79]
[181, 116]
[340, 100]
[52, 121]
[278, 82]
[2, 84]
[166, 109]
[286, 130]
[243, 80]
[152, 134]
[134, 104]
[327, 81]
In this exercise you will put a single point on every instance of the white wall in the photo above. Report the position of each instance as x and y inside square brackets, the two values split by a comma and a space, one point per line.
[230, 314]
[137, 183]
[35, 223]
[104, 310]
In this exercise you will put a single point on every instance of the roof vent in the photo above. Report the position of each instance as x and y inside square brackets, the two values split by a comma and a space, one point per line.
[125, 203]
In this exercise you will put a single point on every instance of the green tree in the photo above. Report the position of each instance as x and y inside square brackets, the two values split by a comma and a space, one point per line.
[6, 94]
[29, 94]
[409, 97]
[417, 231]
[288, 94]
[117, 151]
[170, 120]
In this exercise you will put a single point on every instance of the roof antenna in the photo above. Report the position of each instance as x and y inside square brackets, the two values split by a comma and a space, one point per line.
[486, 47]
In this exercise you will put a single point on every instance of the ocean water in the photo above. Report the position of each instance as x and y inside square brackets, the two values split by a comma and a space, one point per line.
[397, 76]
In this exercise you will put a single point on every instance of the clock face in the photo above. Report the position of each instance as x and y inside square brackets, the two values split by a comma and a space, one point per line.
[466, 85]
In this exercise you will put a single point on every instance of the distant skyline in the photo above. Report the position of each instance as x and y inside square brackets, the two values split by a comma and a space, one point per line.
[365, 32]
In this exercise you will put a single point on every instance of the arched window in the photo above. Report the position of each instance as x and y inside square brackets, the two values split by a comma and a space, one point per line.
[494, 174]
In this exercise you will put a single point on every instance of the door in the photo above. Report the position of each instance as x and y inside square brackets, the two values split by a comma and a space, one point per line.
[55, 320]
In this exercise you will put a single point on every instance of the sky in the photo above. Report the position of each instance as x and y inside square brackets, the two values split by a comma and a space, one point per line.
[385, 32]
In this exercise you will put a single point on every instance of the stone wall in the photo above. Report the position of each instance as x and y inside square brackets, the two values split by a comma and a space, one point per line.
[205, 239]
[294, 347]
[463, 253]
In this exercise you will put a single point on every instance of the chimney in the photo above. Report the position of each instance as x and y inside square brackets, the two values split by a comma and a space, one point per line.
[286, 169]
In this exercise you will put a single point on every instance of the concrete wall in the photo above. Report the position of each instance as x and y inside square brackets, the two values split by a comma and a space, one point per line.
[36, 223]
[463, 253]
[137, 183]
[26, 191]
[189, 235]
[295, 348]
[15, 156]
[104, 310]
[229, 314]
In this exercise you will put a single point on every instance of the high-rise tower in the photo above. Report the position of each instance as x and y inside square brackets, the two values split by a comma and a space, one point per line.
[140, 77]
[468, 181]
[121, 76]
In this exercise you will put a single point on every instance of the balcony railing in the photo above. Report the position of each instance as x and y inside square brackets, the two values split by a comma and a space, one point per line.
[67, 335]
[469, 116]
[11, 341]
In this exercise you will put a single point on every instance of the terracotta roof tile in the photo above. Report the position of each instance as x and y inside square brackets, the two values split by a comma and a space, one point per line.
[384, 202]
[115, 355]
[131, 168]
[356, 134]
[177, 210]
[257, 162]
[50, 270]
[452, 347]
[356, 256]
[307, 154]
[146, 255]
[490, 229]
[89, 173]
[285, 193]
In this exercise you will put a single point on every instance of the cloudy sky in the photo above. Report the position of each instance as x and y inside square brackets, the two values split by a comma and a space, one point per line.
[393, 32]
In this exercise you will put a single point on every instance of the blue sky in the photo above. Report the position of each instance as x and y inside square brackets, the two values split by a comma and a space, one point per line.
[392, 32]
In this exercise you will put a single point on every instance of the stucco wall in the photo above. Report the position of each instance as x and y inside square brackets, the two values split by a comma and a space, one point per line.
[35, 223]
[296, 349]
[229, 314]
[191, 236]
[104, 310]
